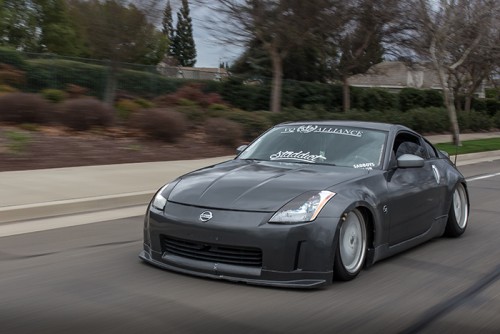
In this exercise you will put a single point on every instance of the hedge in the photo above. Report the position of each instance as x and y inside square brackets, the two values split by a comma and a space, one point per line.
[489, 106]
[368, 99]
[57, 74]
[12, 57]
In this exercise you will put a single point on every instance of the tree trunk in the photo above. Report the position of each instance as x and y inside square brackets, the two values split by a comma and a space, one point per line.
[449, 101]
[346, 94]
[277, 81]
[448, 97]
[468, 103]
[110, 93]
[457, 102]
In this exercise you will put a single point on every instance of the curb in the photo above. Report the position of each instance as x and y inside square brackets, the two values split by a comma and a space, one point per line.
[11, 214]
[474, 158]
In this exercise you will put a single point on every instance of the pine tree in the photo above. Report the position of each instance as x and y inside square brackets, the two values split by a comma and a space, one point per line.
[168, 26]
[183, 48]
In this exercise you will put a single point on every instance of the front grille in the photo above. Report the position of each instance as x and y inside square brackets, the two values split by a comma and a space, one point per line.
[242, 256]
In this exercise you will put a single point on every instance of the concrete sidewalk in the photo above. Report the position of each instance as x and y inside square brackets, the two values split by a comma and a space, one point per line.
[436, 139]
[34, 194]
[43, 193]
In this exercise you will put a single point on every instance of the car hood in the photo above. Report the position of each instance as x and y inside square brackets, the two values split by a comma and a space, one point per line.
[256, 185]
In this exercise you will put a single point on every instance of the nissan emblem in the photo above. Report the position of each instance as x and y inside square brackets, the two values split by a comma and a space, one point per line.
[206, 216]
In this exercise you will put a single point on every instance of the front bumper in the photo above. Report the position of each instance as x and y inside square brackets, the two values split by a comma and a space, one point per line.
[296, 256]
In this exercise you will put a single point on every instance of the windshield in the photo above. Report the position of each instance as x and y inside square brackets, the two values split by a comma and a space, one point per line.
[320, 144]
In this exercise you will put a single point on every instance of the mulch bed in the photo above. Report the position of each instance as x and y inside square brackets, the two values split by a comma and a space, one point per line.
[53, 147]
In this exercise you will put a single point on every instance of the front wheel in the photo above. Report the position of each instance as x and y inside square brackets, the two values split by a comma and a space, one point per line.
[459, 212]
[350, 254]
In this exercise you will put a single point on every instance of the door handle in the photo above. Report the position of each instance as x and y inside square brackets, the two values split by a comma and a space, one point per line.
[437, 176]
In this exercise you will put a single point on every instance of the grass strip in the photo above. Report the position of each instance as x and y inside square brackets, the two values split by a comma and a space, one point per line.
[471, 146]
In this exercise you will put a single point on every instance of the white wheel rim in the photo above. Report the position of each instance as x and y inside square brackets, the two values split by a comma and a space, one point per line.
[353, 242]
[460, 207]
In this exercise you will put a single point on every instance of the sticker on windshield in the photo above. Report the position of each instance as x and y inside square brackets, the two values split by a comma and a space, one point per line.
[367, 165]
[318, 129]
[300, 156]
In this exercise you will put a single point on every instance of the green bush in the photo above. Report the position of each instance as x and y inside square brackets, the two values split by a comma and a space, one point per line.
[194, 113]
[17, 141]
[428, 120]
[18, 108]
[496, 120]
[12, 57]
[298, 94]
[147, 84]
[222, 131]
[292, 115]
[144, 103]
[160, 123]
[7, 89]
[377, 99]
[433, 98]
[253, 123]
[492, 93]
[476, 121]
[54, 95]
[84, 113]
[218, 107]
[478, 105]
[246, 97]
[492, 106]
[126, 107]
[411, 98]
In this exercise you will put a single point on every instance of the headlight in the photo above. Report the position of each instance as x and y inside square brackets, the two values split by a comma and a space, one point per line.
[159, 201]
[304, 208]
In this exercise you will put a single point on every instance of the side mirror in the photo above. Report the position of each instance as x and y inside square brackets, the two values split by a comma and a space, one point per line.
[410, 161]
[446, 154]
[241, 149]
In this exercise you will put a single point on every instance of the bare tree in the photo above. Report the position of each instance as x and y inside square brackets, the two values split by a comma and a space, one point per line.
[448, 32]
[280, 25]
[481, 63]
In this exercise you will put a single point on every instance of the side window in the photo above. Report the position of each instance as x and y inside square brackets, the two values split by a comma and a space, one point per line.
[406, 143]
[430, 150]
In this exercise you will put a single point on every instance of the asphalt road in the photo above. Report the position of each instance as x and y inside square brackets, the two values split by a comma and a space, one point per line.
[88, 279]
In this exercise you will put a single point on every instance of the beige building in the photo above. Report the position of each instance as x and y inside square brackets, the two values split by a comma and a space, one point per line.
[194, 73]
[396, 76]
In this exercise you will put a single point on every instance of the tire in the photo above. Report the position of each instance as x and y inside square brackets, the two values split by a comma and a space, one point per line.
[459, 213]
[350, 254]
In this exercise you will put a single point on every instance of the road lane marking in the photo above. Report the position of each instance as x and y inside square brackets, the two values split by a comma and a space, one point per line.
[487, 176]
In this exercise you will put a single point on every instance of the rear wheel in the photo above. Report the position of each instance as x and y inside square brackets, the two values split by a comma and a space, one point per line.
[350, 254]
[459, 212]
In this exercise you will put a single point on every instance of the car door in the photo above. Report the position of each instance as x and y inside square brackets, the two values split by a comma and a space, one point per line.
[413, 192]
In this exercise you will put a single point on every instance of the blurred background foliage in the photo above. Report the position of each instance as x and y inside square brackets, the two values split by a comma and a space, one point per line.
[58, 51]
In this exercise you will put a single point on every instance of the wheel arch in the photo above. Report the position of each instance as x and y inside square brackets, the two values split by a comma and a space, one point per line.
[367, 211]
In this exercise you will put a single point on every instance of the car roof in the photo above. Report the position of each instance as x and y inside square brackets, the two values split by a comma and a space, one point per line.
[361, 124]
